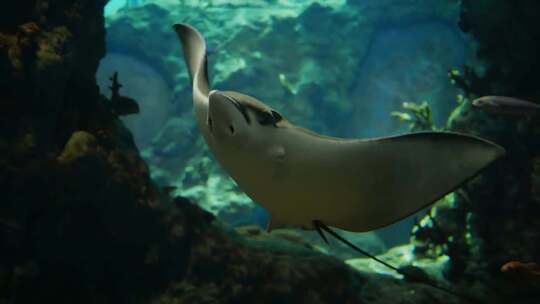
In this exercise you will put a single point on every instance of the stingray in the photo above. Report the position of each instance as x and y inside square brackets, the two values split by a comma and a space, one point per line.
[312, 181]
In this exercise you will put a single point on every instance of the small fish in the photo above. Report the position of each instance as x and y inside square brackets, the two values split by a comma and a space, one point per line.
[521, 268]
[506, 105]
[524, 274]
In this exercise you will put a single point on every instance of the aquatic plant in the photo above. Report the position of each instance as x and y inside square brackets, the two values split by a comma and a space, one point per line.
[469, 81]
[418, 117]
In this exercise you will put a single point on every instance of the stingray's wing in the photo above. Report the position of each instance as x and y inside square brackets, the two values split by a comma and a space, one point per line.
[380, 181]
[194, 48]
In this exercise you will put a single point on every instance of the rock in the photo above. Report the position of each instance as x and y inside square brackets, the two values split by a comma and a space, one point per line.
[232, 271]
[71, 177]
[80, 143]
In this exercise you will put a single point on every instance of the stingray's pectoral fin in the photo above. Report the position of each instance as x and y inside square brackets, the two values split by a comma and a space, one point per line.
[194, 47]
[406, 173]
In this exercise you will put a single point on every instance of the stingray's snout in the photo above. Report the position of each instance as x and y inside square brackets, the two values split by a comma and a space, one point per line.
[214, 98]
[219, 101]
[223, 114]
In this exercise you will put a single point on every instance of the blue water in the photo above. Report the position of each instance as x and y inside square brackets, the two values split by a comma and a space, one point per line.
[408, 63]
[114, 5]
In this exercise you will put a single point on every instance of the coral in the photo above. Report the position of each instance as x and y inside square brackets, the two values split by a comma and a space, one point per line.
[80, 143]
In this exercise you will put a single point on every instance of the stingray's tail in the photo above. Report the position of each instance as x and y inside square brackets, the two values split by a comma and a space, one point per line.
[194, 48]
[407, 274]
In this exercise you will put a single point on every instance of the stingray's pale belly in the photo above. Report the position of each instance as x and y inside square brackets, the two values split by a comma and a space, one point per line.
[280, 199]
[345, 205]
[300, 189]
[299, 198]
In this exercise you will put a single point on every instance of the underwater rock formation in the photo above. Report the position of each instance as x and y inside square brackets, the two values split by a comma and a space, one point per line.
[80, 209]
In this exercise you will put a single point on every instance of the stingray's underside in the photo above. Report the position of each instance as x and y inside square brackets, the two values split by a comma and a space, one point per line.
[357, 185]
[361, 185]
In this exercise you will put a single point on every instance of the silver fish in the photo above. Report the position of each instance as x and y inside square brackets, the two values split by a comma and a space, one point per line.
[506, 105]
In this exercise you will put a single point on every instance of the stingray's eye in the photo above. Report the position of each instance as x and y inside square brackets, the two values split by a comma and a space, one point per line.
[231, 129]
[269, 118]
[265, 118]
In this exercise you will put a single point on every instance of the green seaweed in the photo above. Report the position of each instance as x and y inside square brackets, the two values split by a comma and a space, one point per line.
[419, 116]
